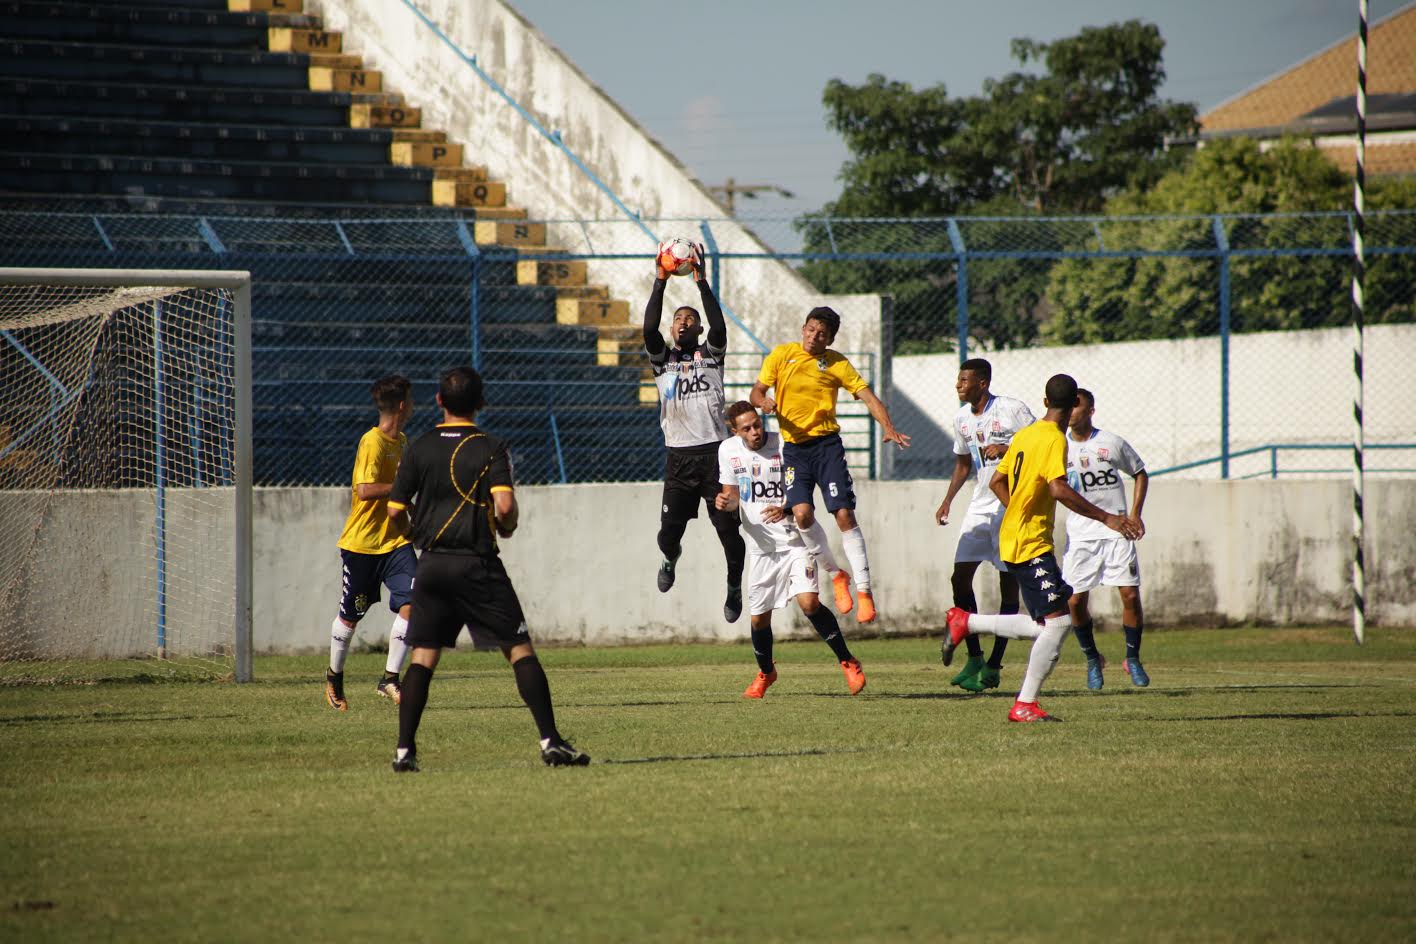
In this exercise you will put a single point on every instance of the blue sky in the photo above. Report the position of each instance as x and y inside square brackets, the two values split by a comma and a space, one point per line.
[733, 87]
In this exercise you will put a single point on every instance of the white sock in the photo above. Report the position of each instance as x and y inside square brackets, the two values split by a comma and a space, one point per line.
[1009, 625]
[339, 637]
[853, 541]
[816, 546]
[397, 648]
[1043, 657]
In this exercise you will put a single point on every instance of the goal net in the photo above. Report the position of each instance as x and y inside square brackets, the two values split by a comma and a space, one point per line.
[125, 482]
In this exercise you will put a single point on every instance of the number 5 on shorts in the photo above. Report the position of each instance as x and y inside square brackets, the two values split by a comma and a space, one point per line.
[834, 493]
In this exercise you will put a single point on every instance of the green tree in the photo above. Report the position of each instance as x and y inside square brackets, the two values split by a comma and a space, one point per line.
[1271, 200]
[1058, 140]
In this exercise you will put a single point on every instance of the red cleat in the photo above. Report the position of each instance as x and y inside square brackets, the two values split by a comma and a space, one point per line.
[1028, 712]
[957, 622]
[759, 685]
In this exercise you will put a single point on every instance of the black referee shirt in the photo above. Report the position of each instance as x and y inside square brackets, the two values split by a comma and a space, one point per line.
[451, 472]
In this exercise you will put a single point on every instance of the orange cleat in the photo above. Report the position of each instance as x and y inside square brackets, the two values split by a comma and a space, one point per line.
[855, 676]
[1029, 711]
[759, 685]
[866, 612]
[841, 585]
[957, 628]
[334, 690]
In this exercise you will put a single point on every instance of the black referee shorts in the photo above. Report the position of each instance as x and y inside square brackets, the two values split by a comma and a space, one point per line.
[691, 478]
[456, 590]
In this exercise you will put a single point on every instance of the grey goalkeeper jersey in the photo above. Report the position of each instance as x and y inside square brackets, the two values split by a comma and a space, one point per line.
[690, 383]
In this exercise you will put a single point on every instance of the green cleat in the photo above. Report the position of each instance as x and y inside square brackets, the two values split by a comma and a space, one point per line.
[990, 676]
[968, 674]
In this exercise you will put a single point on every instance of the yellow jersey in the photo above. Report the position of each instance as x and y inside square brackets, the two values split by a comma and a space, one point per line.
[1036, 456]
[806, 389]
[367, 530]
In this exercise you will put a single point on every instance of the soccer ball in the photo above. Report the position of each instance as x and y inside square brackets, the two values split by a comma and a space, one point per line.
[676, 256]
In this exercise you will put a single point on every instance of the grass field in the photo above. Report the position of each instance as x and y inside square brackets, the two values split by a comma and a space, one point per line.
[1261, 789]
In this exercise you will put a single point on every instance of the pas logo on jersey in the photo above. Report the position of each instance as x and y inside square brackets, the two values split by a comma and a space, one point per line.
[762, 491]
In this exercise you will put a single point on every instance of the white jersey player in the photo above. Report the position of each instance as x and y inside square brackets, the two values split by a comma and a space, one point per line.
[779, 565]
[1097, 556]
[982, 429]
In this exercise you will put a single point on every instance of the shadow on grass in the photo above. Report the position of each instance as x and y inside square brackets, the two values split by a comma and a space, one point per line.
[1288, 716]
[109, 717]
[754, 755]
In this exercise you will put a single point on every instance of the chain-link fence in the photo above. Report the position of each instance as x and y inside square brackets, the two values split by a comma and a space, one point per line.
[1216, 344]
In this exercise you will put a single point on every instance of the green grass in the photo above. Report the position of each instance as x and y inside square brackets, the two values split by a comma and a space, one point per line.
[1261, 789]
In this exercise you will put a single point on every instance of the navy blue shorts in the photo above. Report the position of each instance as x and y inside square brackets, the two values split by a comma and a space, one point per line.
[820, 461]
[364, 574]
[1044, 590]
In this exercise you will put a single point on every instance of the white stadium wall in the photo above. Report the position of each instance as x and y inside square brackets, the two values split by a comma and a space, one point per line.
[1164, 396]
[767, 295]
[584, 560]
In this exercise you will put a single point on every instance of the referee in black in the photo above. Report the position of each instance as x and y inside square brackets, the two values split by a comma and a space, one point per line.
[689, 376]
[460, 479]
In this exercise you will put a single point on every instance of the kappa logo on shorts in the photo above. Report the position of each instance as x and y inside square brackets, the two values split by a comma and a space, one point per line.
[522, 630]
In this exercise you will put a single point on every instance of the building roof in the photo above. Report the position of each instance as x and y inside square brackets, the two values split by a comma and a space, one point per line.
[1313, 92]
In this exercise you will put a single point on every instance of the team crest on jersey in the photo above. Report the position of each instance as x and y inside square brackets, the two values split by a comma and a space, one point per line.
[981, 436]
[1086, 463]
[821, 362]
[756, 470]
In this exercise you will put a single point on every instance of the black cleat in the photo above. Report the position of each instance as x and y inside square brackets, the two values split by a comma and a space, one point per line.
[561, 754]
[666, 575]
[732, 606]
[407, 764]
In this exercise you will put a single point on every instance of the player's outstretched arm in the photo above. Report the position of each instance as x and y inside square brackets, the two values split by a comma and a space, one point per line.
[717, 325]
[882, 416]
[1069, 496]
[654, 313]
[506, 514]
[962, 466]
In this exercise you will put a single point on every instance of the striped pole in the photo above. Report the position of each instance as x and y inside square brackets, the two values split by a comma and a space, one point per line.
[1359, 602]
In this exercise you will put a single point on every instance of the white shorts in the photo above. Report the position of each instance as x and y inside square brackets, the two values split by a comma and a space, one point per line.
[978, 537]
[1110, 562]
[774, 579]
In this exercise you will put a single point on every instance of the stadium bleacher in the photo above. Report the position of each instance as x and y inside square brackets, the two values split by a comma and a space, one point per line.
[149, 134]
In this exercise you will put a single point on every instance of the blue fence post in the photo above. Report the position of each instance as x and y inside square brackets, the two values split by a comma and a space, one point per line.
[160, 476]
[961, 287]
[1221, 242]
[474, 291]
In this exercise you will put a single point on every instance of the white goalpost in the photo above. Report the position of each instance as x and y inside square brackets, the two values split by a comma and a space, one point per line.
[125, 474]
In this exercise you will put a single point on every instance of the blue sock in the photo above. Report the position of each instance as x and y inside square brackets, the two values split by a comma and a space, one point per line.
[1085, 636]
[1133, 642]
[824, 622]
[762, 649]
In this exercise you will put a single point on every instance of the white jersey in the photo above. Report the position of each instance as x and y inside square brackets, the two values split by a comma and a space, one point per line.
[691, 400]
[758, 476]
[1094, 468]
[1000, 419]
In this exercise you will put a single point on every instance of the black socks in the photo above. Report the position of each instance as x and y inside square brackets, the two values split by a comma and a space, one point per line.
[824, 622]
[413, 700]
[536, 692]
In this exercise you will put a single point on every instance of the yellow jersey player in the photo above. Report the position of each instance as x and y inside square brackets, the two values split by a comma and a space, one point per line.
[1030, 479]
[373, 549]
[804, 379]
